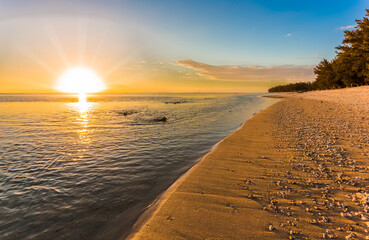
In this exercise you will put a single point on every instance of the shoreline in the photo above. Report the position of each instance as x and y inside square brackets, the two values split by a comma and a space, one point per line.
[266, 181]
[150, 210]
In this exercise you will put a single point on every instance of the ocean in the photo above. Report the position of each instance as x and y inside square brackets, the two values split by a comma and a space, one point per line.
[87, 170]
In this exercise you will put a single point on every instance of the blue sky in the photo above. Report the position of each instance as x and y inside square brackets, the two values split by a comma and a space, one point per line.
[252, 32]
[177, 43]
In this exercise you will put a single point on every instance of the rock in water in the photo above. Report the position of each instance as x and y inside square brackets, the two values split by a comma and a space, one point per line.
[163, 119]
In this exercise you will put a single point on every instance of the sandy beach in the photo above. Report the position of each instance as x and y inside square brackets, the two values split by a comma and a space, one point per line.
[297, 170]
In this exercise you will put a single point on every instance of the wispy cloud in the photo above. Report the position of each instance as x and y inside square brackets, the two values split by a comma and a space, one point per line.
[252, 73]
[347, 27]
[289, 35]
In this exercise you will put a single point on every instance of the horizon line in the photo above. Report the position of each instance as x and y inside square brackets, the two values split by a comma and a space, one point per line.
[130, 93]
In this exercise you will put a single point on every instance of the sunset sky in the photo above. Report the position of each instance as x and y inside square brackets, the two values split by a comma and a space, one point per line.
[170, 45]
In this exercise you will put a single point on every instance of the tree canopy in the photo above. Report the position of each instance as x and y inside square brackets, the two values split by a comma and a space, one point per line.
[349, 68]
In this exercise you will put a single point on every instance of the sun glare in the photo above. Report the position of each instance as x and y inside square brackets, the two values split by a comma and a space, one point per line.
[80, 80]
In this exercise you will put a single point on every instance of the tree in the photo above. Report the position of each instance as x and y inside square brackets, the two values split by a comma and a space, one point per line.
[350, 67]
[326, 75]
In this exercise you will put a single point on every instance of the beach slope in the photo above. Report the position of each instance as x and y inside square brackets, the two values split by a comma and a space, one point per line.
[298, 169]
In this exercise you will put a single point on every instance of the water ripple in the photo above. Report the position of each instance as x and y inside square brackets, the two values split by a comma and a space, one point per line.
[67, 172]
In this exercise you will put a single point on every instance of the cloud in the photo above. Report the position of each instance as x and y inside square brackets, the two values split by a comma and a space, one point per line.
[347, 27]
[289, 35]
[291, 73]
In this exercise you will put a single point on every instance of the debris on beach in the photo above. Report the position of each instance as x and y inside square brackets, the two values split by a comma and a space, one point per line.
[318, 170]
[271, 227]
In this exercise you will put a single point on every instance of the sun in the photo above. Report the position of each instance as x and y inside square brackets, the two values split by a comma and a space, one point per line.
[80, 80]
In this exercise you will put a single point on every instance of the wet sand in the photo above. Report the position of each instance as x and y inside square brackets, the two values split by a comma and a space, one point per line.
[297, 170]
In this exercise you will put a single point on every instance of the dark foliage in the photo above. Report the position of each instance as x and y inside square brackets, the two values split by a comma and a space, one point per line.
[293, 87]
[350, 67]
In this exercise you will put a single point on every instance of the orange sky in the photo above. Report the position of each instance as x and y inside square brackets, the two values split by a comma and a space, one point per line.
[41, 41]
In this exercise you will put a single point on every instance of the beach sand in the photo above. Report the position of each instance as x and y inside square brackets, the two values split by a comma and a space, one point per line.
[297, 170]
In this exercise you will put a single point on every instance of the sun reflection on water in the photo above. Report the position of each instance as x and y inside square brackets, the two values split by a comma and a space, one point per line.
[82, 104]
[83, 107]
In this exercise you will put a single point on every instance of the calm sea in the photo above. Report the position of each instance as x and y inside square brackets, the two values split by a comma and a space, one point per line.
[75, 170]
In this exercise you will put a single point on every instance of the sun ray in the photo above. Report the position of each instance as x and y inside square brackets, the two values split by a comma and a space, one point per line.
[119, 64]
[31, 55]
[100, 44]
[58, 46]
[122, 62]
[82, 32]
[115, 67]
